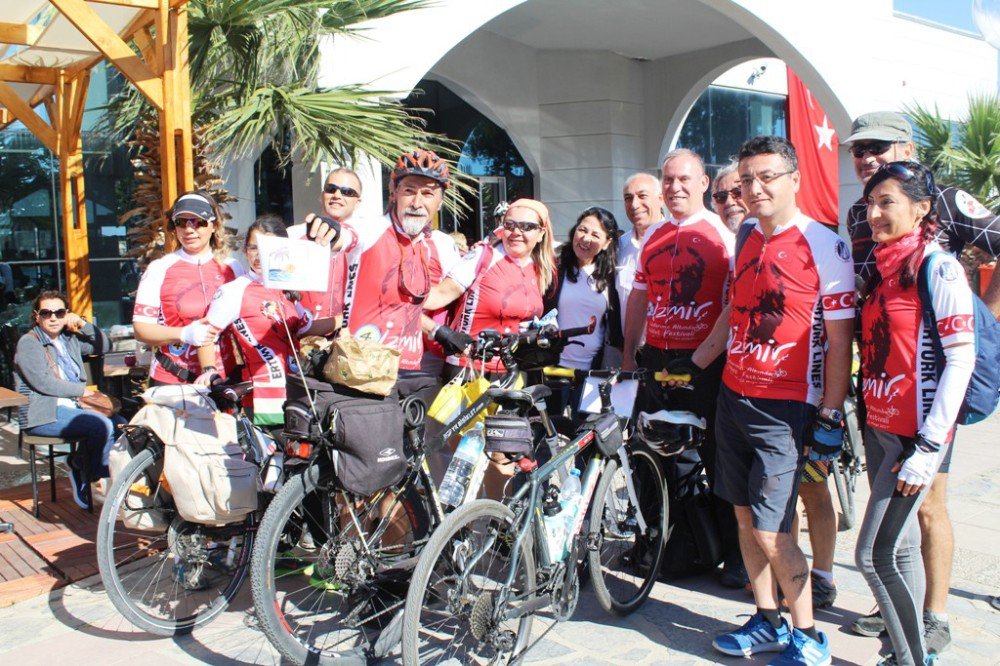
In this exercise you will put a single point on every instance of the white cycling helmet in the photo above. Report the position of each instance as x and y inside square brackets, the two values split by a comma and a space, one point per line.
[500, 210]
[670, 432]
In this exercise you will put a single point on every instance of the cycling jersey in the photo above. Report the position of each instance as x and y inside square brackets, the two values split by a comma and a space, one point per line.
[683, 267]
[499, 295]
[782, 290]
[329, 303]
[444, 257]
[388, 276]
[176, 290]
[961, 219]
[255, 314]
[898, 371]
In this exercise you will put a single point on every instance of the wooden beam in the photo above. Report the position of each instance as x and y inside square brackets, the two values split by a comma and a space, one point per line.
[26, 74]
[19, 33]
[23, 112]
[138, 4]
[113, 47]
[70, 102]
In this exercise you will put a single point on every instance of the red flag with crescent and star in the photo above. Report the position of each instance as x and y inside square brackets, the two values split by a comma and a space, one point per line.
[815, 142]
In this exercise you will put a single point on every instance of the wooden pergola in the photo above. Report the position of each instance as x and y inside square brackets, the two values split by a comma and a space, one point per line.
[47, 49]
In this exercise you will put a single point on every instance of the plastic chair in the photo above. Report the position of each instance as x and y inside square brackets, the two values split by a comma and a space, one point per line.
[34, 442]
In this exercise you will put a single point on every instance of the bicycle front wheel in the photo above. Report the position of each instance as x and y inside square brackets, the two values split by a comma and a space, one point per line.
[165, 575]
[458, 610]
[625, 563]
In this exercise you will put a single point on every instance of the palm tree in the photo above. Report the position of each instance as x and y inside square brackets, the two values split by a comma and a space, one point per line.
[964, 153]
[254, 72]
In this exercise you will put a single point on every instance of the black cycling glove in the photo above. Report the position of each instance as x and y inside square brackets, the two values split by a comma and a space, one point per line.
[454, 342]
[683, 366]
[333, 224]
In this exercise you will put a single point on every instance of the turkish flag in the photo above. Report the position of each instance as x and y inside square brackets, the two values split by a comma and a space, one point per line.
[816, 144]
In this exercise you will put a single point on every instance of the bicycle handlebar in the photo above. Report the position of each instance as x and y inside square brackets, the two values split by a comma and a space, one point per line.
[571, 373]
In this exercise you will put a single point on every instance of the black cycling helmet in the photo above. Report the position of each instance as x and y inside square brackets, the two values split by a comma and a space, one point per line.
[670, 432]
[421, 163]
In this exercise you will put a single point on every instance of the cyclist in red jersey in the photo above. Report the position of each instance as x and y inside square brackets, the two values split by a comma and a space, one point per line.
[266, 324]
[789, 326]
[911, 406]
[176, 290]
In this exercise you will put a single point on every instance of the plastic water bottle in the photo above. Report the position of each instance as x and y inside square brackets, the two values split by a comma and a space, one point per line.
[468, 456]
[569, 500]
[555, 525]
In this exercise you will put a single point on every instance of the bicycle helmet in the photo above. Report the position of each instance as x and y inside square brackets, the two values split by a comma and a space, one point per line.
[670, 432]
[421, 163]
[500, 210]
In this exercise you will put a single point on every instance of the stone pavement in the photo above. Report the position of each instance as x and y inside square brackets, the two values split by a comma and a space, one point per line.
[677, 623]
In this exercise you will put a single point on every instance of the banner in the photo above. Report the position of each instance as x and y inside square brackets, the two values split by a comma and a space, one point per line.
[816, 143]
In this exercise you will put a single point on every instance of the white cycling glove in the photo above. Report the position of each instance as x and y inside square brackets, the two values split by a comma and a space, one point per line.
[919, 469]
[197, 334]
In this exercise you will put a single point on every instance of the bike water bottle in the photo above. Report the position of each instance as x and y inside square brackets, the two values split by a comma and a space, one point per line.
[468, 456]
[569, 500]
[555, 525]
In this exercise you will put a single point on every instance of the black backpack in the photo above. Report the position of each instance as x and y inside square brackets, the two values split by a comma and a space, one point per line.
[694, 545]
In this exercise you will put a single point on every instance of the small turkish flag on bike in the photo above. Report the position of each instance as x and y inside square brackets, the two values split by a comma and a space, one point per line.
[815, 142]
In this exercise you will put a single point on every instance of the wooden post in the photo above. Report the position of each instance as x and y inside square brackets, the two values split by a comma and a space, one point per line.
[71, 96]
[171, 47]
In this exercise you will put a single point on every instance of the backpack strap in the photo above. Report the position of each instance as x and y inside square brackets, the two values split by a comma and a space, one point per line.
[927, 307]
[742, 234]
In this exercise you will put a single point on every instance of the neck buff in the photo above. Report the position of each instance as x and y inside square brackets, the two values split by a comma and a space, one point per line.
[890, 257]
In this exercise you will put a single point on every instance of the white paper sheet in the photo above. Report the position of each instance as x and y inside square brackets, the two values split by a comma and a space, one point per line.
[623, 396]
[299, 265]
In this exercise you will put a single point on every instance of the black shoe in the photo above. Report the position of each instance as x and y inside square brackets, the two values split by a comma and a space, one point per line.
[79, 485]
[937, 634]
[824, 593]
[734, 574]
[870, 625]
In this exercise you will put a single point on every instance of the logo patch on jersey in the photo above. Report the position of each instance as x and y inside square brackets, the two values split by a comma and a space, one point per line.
[293, 367]
[970, 206]
[843, 251]
[270, 310]
[218, 295]
[369, 332]
[947, 271]
[177, 349]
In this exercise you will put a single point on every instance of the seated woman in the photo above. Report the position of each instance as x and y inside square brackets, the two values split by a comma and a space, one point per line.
[49, 370]
[497, 288]
[585, 289]
[258, 316]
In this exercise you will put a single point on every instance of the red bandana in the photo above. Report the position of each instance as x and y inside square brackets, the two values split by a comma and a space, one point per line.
[890, 257]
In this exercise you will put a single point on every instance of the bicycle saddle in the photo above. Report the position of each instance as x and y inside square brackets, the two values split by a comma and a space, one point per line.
[529, 395]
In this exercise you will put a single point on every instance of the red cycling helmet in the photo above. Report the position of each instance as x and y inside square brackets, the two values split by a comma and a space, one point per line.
[421, 163]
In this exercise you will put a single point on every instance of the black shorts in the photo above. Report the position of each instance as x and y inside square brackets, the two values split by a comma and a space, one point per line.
[759, 455]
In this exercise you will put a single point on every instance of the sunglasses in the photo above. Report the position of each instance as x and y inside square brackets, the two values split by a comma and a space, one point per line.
[189, 222]
[873, 148]
[330, 188]
[523, 227]
[47, 314]
[723, 196]
[903, 173]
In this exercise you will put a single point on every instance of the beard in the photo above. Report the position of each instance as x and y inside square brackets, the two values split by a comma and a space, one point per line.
[414, 222]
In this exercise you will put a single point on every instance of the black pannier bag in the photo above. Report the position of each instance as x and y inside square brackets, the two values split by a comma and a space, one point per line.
[694, 545]
[367, 433]
[607, 432]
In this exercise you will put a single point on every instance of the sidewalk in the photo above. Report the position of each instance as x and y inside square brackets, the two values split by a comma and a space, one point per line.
[675, 625]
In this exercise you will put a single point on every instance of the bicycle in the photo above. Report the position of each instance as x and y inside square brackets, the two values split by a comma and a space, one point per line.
[331, 569]
[489, 568]
[164, 574]
[850, 465]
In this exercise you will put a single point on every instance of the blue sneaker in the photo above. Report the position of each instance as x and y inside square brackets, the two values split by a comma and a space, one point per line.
[804, 651]
[79, 485]
[757, 635]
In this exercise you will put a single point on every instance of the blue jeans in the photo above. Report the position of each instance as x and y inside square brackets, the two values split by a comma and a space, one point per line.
[97, 431]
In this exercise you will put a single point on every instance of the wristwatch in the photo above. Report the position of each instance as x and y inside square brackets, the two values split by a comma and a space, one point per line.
[832, 416]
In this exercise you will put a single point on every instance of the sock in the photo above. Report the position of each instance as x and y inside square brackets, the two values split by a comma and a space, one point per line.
[772, 616]
[825, 575]
[940, 617]
[810, 632]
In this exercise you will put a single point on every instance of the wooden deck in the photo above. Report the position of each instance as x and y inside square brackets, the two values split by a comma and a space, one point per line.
[47, 552]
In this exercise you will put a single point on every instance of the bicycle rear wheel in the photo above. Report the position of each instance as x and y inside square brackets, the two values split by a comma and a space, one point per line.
[324, 592]
[625, 563]
[452, 610]
[165, 575]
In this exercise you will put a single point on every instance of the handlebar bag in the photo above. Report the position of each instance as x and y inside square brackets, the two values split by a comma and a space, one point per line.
[607, 432]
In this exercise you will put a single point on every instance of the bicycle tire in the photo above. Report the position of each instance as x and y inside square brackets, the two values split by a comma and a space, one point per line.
[437, 564]
[845, 495]
[624, 577]
[329, 604]
[847, 468]
[131, 560]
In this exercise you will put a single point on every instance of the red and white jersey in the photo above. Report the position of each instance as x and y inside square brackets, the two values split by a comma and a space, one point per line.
[255, 315]
[783, 288]
[898, 369]
[505, 294]
[329, 303]
[388, 273]
[444, 257]
[176, 290]
[683, 268]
